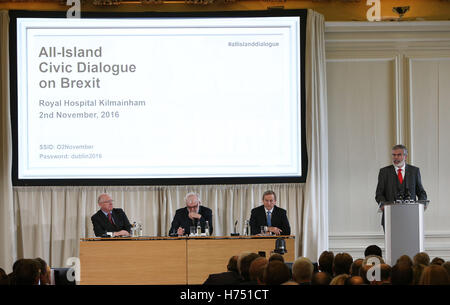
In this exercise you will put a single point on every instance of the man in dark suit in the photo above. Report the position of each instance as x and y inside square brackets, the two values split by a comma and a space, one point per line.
[110, 220]
[269, 215]
[191, 215]
[231, 277]
[399, 181]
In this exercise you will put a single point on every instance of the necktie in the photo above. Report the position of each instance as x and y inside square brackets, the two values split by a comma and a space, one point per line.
[110, 218]
[400, 177]
[269, 220]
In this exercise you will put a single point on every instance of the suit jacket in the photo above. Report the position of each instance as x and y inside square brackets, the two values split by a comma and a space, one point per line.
[181, 219]
[224, 278]
[390, 189]
[279, 219]
[102, 225]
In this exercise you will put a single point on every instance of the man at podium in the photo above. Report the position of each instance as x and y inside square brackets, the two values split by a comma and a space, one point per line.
[399, 181]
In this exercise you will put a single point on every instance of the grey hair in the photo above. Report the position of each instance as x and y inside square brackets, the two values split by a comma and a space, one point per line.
[192, 194]
[401, 146]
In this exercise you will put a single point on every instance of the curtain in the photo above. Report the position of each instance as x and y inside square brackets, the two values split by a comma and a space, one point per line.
[51, 220]
[7, 227]
[48, 222]
[315, 219]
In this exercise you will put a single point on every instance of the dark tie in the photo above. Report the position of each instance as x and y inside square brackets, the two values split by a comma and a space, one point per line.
[269, 219]
[110, 218]
[400, 177]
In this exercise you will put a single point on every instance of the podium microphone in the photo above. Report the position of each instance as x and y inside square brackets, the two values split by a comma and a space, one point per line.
[235, 229]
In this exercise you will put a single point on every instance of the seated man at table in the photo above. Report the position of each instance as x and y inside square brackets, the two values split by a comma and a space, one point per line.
[270, 216]
[109, 219]
[194, 213]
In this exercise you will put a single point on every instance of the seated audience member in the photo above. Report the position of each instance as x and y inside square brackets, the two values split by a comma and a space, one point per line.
[3, 277]
[45, 272]
[191, 215]
[385, 275]
[230, 277]
[342, 263]
[421, 258]
[446, 265]
[244, 262]
[434, 275]
[373, 250]
[354, 280]
[276, 256]
[321, 279]
[437, 261]
[302, 271]
[356, 265]
[405, 259]
[402, 274]
[340, 279]
[276, 273]
[417, 273]
[326, 262]
[270, 215]
[256, 270]
[26, 273]
[110, 219]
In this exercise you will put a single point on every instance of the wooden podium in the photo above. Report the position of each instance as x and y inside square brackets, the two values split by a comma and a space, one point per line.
[166, 260]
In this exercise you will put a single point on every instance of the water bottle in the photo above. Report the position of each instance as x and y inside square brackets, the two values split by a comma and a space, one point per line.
[247, 228]
[207, 228]
[133, 230]
[140, 229]
[199, 229]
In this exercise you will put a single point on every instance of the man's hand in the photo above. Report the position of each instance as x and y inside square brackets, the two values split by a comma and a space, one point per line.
[194, 215]
[274, 230]
[121, 233]
[180, 231]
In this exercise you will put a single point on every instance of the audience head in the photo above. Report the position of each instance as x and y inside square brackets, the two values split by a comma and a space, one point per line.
[421, 258]
[354, 280]
[405, 259]
[340, 279]
[276, 256]
[256, 270]
[244, 263]
[446, 265]
[326, 262]
[276, 273]
[342, 263]
[321, 278]
[402, 274]
[45, 271]
[356, 265]
[434, 275]
[27, 272]
[373, 250]
[437, 261]
[302, 270]
[417, 273]
[367, 264]
[232, 264]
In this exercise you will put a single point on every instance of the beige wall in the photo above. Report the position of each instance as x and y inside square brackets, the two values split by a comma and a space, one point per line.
[388, 83]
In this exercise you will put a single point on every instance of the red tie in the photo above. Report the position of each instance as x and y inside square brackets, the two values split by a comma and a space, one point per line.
[400, 177]
[110, 218]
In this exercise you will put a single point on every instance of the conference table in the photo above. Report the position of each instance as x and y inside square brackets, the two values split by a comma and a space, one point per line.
[167, 260]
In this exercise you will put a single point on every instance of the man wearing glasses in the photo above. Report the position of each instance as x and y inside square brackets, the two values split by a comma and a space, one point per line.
[190, 216]
[110, 221]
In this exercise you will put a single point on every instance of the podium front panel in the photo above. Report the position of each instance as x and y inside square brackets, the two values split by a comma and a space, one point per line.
[404, 231]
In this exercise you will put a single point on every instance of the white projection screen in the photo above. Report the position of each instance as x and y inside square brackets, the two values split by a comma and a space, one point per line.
[158, 98]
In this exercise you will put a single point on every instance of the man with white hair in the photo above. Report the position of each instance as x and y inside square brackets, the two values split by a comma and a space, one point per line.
[190, 216]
